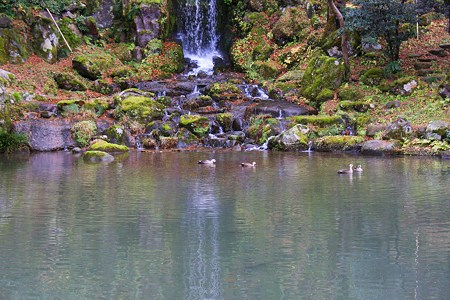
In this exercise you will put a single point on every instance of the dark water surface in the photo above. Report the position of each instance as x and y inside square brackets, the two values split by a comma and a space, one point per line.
[159, 226]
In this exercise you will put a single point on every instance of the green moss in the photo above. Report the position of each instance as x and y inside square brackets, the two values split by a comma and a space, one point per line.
[99, 106]
[323, 72]
[196, 124]
[350, 93]
[360, 106]
[372, 76]
[316, 120]
[141, 108]
[69, 81]
[291, 25]
[325, 95]
[73, 39]
[223, 91]
[82, 132]
[339, 142]
[268, 69]
[225, 120]
[294, 75]
[101, 145]
[93, 65]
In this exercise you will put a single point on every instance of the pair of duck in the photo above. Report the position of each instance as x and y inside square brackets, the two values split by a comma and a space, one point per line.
[350, 170]
[213, 162]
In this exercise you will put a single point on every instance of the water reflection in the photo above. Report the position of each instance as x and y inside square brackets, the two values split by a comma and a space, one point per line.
[202, 261]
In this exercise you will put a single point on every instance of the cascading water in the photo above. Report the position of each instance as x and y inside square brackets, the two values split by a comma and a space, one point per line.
[198, 33]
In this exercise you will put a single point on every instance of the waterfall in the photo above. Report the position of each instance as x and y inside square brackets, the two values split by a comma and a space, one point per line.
[198, 32]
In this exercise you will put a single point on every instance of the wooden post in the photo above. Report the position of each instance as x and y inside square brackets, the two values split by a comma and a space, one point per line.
[59, 29]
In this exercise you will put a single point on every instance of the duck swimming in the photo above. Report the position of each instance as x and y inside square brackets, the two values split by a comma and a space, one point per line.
[246, 164]
[207, 161]
[359, 168]
[346, 171]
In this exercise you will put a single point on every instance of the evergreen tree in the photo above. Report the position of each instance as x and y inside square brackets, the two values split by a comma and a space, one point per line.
[382, 18]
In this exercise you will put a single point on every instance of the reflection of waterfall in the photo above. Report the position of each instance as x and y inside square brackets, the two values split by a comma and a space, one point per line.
[198, 32]
[202, 266]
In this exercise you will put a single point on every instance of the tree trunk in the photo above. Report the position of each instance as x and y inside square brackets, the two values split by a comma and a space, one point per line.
[344, 45]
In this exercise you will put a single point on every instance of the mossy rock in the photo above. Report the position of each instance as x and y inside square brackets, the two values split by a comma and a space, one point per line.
[13, 46]
[316, 120]
[294, 75]
[262, 127]
[325, 95]
[339, 143]
[186, 137]
[359, 106]
[97, 156]
[350, 93]
[323, 72]
[224, 91]
[142, 109]
[69, 81]
[196, 124]
[269, 69]
[292, 139]
[93, 65]
[225, 120]
[71, 32]
[101, 145]
[99, 106]
[82, 132]
[115, 134]
[372, 76]
[292, 24]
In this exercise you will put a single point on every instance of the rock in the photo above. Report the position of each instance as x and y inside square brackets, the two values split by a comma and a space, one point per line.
[77, 150]
[373, 129]
[101, 145]
[339, 143]
[323, 72]
[47, 114]
[98, 156]
[379, 147]
[445, 46]
[292, 23]
[196, 124]
[92, 28]
[147, 23]
[238, 124]
[371, 47]
[68, 81]
[438, 127]
[426, 59]
[421, 65]
[444, 91]
[334, 52]
[438, 52]
[278, 109]
[105, 15]
[45, 135]
[392, 104]
[14, 46]
[397, 130]
[92, 66]
[5, 22]
[202, 74]
[45, 40]
[289, 140]
[425, 72]
[6, 77]
[220, 64]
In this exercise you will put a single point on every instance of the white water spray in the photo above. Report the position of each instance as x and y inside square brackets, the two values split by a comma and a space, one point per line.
[198, 33]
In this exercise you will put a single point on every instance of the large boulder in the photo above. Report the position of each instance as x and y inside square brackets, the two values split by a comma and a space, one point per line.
[147, 23]
[92, 66]
[13, 46]
[323, 75]
[45, 135]
[278, 109]
[45, 39]
[292, 139]
[290, 25]
[104, 17]
[380, 147]
[436, 130]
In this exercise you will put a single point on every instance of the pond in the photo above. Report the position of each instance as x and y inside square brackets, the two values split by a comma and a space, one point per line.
[160, 226]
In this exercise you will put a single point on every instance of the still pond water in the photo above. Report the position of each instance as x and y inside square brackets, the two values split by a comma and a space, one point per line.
[160, 226]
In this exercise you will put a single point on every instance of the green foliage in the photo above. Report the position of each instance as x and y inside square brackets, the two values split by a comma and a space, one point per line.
[372, 76]
[196, 124]
[11, 141]
[82, 132]
[350, 93]
[316, 120]
[55, 6]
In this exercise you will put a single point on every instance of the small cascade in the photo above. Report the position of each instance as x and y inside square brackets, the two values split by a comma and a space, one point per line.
[198, 33]
[254, 91]
[194, 94]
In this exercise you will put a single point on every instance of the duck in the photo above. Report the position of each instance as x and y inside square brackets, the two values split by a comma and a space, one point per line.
[246, 164]
[207, 161]
[359, 168]
[346, 171]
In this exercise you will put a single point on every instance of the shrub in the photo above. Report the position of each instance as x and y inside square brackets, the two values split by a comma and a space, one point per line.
[11, 141]
[83, 131]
